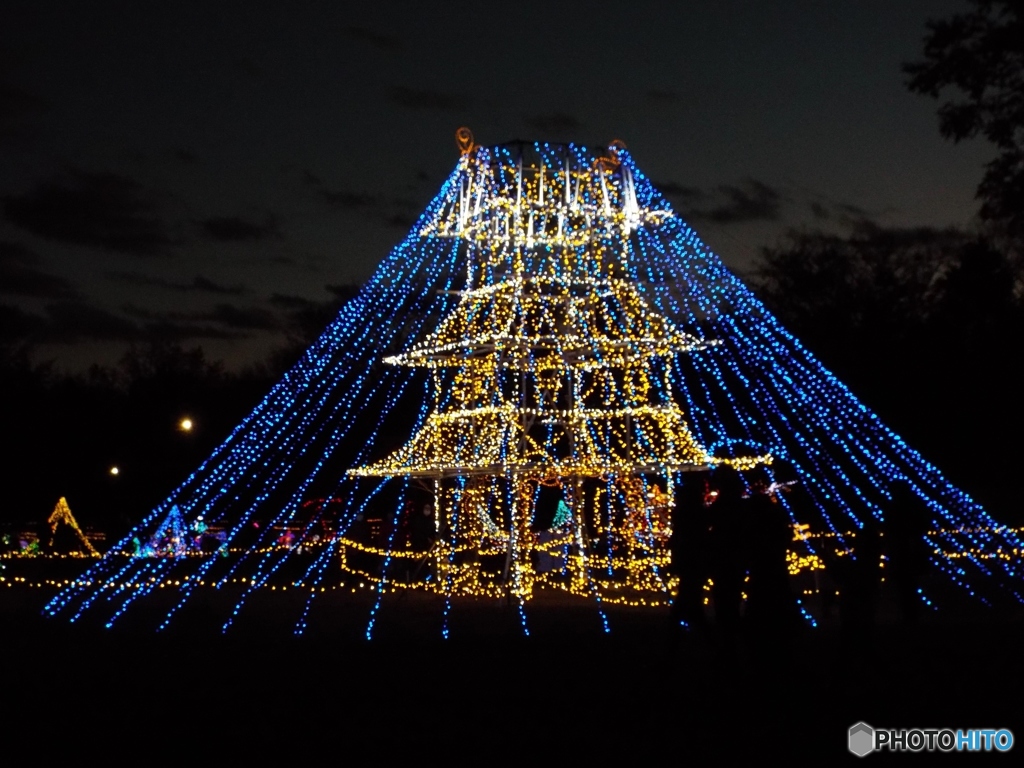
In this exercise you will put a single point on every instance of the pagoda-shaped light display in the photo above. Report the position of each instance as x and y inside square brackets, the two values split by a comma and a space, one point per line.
[538, 364]
[551, 370]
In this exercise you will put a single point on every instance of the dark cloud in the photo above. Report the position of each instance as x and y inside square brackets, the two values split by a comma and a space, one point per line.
[141, 313]
[17, 101]
[101, 210]
[852, 211]
[222, 316]
[339, 199]
[72, 321]
[394, 212]
[75, 322]
[304, 318]
[20, 277]
[171, 330]
[554, 123]
[819, 211]
[249, 68]
[662, 97]
[290, 303]
[247, 318]
[680, 192]
[842, 214]
[344, 291]
[234, 229]
[282, 260]
[413, 98]
[185, 157]
[222, 323]
[18, 326]
[167, 330]
[339, 293]
[199, 283]
[347, 200]
[16, 253]
[728, 204]
[372, 37]
[399, 220]
[65, 322]
[398, 212]
[753, 201]
[18, 112]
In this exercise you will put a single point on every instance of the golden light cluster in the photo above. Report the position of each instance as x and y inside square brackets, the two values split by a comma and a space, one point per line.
[550, 370]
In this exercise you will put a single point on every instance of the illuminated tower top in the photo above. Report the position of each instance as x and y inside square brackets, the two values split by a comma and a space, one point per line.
[532, 212]
[553, 361]
[546, 228]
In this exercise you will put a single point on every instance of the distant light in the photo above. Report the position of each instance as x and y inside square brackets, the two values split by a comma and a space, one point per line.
[115, 471]
[185, 425]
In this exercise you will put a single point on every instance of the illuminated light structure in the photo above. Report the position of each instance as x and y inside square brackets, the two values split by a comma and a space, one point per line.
[545, 323]
[61, 515]
[550, 370]
[171, 538]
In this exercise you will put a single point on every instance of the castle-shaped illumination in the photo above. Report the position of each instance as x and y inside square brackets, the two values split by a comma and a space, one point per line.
[550, 370]
[541, 360]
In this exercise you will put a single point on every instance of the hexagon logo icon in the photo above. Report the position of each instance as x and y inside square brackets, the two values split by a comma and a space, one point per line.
[862, 739]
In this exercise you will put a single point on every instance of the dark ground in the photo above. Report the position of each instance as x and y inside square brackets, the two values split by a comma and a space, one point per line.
[568, 693]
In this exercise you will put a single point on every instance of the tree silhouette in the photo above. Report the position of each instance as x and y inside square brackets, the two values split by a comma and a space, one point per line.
[979, 57]
[921, 324]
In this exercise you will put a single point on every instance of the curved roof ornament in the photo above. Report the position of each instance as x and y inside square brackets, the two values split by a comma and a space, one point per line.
[464, 140]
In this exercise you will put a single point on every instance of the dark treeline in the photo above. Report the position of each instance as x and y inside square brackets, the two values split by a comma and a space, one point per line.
[924, 326]
[64, 432]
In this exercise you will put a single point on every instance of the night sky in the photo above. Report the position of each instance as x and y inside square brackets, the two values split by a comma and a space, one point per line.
[198, 172]
[208, 173]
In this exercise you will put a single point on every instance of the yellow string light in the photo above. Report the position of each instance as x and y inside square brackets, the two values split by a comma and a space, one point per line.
[547, 367]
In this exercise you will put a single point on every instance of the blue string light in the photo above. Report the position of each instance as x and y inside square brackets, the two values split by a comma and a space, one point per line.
[755, 384]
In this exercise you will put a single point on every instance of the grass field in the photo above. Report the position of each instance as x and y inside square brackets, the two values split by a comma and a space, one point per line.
[567, 692]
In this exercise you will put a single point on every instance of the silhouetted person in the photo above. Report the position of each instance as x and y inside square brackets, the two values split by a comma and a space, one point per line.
[423, 529]
[859, 579]
[727, 551]
[424, 532]
[907, 553]
[689, 550]
[771, 611]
